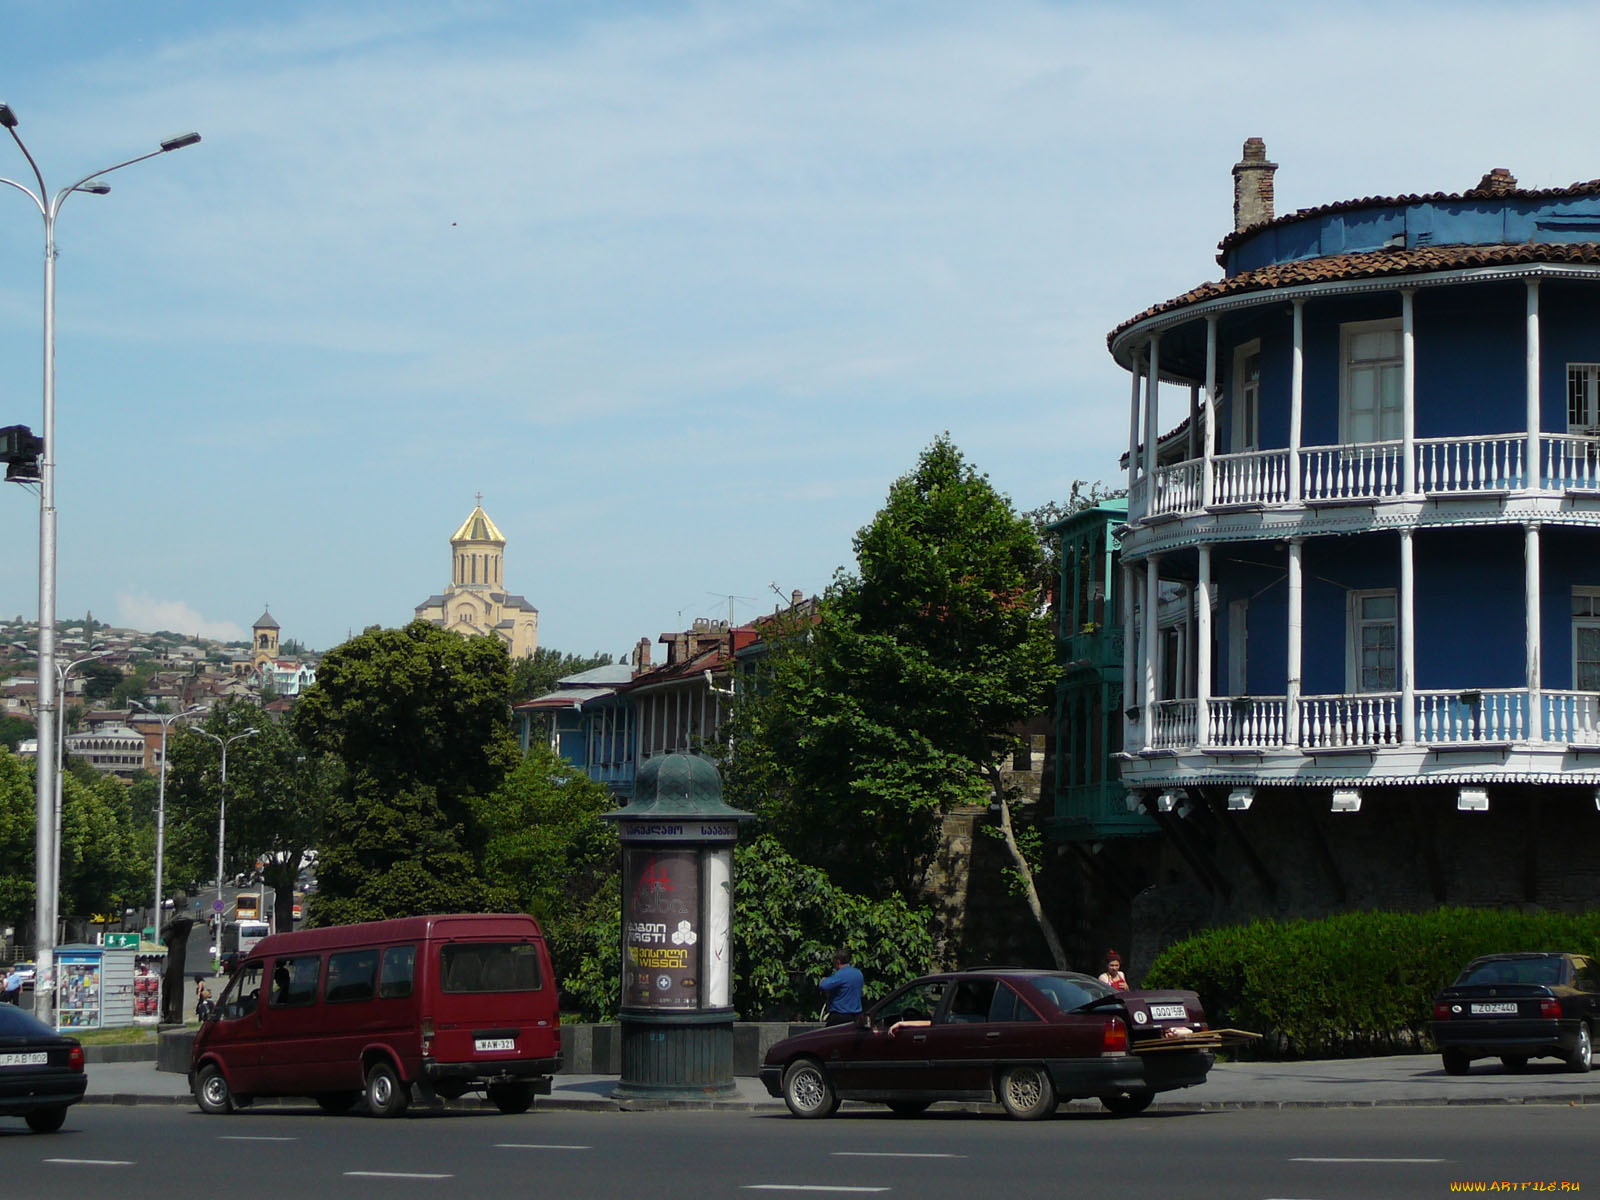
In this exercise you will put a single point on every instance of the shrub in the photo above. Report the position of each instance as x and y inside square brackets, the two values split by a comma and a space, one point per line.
[1357, 983]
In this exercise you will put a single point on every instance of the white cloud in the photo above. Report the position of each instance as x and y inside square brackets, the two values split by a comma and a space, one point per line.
[175, 616]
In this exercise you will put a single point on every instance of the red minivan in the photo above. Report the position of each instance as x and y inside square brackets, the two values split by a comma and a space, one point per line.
[441, 1004]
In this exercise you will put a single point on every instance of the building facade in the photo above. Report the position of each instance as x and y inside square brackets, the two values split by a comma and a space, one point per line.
[1359, 577]
[476, 604]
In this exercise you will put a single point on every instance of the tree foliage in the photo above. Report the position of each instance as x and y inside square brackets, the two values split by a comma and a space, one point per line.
[890, 710]
[420, 719]
[16, 839]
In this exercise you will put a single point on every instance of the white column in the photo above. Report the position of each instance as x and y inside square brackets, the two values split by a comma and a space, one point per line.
[1291, 732]
[1531, 601]
[1152, 600]
[1408, 640]
[1534, 468]
[1194, 422]
[1202, 657]
[1152, 418]
[1297, 381]
[1408, 390]
[1133, 423]
[1209, 415]
[1130, 681]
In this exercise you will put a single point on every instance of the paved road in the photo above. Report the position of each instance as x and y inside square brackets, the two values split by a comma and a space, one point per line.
[1342, 1154]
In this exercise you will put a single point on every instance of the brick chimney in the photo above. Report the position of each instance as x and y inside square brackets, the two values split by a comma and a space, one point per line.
[1252, 186]
[1498, 182]
[641, 656]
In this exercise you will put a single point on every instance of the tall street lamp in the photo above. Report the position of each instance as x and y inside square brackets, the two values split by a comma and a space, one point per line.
[166, 720]
[222, 813]
[44, 907]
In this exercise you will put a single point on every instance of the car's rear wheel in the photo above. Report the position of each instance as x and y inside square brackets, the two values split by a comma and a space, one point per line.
[1128, 1104]
[211, 1091]
[1513, 1062]
[386, 1095]
[908, 1108]
[1456, 1062]
[1582, 1056]
[808, 1091]
[1027, 1093]
[46, 1120]
[511, 1098]
[337, 1102]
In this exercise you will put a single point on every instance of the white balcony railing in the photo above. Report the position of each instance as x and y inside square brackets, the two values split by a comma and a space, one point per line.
[1572, 717]
[1571, 463]
[1355, 722]
[1465, 465]
[1177, 489]
[1252, 477]
[1246, 722]
[1361, 472]
[1138, 491]
[1175, 724]
[1456, 717]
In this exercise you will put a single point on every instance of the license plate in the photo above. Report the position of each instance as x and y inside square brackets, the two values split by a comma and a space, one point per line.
[1497, 1009]
[482, 1044]
[24, 1060]
[1168, 1012]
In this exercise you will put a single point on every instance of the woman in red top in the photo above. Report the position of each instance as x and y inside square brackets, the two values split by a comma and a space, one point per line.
[1113, 973]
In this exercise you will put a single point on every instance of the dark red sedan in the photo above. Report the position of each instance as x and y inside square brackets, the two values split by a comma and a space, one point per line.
[1026, 1038]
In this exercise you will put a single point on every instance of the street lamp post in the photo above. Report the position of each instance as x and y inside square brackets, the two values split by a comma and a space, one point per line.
[44, 909]
[166, 720]
[61, 727]
[222, 813]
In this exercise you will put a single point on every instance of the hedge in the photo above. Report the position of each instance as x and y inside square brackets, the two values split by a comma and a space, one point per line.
[1355, 984]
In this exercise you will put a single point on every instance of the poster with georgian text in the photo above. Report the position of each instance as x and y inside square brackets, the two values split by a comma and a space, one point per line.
[661, 934]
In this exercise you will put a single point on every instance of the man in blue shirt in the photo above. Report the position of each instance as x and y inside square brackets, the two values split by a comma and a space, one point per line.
[843, 990]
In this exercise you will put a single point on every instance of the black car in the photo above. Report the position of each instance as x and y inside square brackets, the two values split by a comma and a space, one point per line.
[1026, 1038]
[1517, 1007]
[41, 1072]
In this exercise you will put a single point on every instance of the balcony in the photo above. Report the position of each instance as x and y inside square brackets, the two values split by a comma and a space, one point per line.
[1098, 647]
[1489, 465]
[1091, 811]
[1372, 721]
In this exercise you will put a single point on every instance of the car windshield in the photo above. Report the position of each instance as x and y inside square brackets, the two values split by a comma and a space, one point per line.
[1515, 970]
[1070, 992]
[16, 1023]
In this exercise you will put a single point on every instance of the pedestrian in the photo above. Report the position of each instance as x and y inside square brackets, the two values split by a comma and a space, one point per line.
[202, 1000]
[13, 987]
[1112, 975]
[842, 990]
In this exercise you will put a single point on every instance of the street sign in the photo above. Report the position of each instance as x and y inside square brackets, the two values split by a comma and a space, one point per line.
[216, 906]
[122, 941]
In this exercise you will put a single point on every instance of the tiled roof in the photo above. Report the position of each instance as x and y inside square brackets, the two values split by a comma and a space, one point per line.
[1589, 188]
[1372, 264]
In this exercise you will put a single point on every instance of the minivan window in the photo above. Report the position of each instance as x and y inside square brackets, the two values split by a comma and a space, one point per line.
[399, 962]
[351, 975]
[490, 967]
[243, 993]
[294, 981]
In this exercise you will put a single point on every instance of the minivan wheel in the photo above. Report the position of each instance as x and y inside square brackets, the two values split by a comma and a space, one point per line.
[807, 1089]
[211, 1091]
[511, 1098]
[337, 1102]
[1582, 1056]
[1027, 1093]
[386, 1095]
[46, 1120]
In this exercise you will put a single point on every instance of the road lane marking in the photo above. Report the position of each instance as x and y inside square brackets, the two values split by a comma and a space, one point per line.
[91, 1162]
[396, 1175]
[1370, 1160]
[808, 1188]
[536, 1146]
[240, 1137]
[889, 1154]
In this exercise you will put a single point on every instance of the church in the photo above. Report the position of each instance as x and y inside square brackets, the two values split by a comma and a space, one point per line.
[476, 603]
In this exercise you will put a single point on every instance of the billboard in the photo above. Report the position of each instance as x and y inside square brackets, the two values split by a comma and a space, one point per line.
[661, 930]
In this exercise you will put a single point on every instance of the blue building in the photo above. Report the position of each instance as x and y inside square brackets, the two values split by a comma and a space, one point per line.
[589, 721]
[1361, 570]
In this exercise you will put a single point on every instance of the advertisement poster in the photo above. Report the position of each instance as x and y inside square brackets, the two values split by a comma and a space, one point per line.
[661, 934]
[78, 1002]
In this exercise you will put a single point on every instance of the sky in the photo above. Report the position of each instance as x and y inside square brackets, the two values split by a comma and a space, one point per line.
[679, 288]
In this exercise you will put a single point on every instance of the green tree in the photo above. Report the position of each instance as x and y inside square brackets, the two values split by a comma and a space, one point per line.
[537, 674]
[14, 730]
[419, 717]
[100, 680]
[549, 852]
[16, 838]
[903, 699]
[101, 868]
[133, 686]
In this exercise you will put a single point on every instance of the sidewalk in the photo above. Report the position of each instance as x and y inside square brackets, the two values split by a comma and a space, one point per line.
[1408, 1080]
